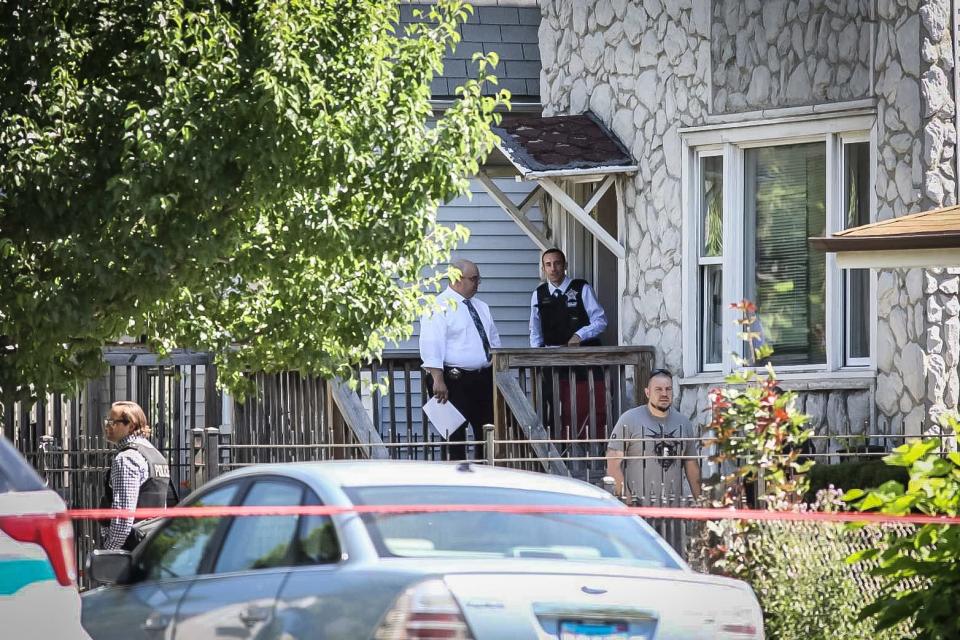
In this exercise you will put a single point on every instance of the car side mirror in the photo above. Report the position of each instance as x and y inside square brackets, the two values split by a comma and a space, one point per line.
[110, 566]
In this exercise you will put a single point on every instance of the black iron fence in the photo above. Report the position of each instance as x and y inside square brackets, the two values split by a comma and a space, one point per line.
[79, 474]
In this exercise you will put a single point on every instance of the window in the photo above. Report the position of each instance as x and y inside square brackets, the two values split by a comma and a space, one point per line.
[710, 261]
[756, 193]
[856, 284]
[176, 551]
[263, 542]
[784, 204]
[317, 539]
[461, 534]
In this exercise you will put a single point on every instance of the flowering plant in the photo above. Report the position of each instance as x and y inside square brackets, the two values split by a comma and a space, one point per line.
[756, 429]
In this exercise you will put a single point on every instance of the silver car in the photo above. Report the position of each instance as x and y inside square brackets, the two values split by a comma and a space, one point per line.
[386, 576]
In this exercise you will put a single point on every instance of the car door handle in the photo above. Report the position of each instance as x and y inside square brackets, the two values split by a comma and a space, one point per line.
[156, 622]
[252, 615]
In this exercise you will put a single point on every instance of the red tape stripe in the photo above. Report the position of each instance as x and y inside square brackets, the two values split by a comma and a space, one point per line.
[680, 513]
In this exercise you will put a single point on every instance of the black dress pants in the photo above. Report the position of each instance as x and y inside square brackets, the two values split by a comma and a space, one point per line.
[472, 394]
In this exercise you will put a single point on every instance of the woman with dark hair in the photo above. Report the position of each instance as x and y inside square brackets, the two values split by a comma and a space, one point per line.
[139, 474]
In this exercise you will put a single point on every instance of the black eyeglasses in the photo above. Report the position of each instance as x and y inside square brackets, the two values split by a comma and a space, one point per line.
[108, 422]
[661, 372]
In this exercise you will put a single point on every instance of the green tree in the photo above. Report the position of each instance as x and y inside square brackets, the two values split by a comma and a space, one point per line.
[256, 179]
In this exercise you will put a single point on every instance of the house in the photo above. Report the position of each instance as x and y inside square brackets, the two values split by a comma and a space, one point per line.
[757, 125]
[508, 260]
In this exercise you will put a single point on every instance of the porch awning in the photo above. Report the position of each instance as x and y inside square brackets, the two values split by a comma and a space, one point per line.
[928, 239]
[538, 147]
[550, 150]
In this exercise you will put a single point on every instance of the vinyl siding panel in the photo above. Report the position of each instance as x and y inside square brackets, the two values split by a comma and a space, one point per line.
[509, 263]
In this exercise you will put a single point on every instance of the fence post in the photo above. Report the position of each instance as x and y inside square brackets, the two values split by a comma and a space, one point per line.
[46, 443]
[488, 431]
[610, 485]
[212, 452]
[196, 458]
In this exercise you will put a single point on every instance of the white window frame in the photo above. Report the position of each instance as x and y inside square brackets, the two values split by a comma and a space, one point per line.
[846, 361]
[702, 261]
[732, 139]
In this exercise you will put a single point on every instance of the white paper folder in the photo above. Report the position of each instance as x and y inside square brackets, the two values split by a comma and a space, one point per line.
[445, 417]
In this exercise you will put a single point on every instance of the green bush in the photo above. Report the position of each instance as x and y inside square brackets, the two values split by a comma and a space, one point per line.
[806, 589]
[852, 474]
[920, 572]
[799, 572]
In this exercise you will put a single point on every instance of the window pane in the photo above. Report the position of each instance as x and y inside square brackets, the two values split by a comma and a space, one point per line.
[450, 535]
[259, 542]
[785, 203]
[711, 311]
[177, 550]
[318, 541]
[856, 162]
[711, 206]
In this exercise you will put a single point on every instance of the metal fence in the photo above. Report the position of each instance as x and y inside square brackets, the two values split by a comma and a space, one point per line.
[79, 474]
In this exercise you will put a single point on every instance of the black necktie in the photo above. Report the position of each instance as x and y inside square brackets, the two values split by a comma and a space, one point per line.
[557, 294]
[480, 330]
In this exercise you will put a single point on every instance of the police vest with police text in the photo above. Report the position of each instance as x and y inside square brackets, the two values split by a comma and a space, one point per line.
[154, 491]
[562, 316]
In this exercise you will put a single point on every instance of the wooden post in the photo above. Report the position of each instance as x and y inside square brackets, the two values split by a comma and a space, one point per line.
[211, 451]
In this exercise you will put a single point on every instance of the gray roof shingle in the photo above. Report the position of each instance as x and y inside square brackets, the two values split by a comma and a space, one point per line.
[507, 27]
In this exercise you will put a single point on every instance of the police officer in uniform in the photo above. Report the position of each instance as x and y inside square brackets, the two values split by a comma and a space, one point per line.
[565, 312]
[139, 474]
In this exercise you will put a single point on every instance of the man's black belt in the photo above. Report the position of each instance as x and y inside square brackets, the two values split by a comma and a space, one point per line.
[455, 373]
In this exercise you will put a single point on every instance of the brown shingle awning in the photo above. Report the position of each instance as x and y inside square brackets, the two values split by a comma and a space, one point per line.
[931, 238]
[550, 151]
[538, 146]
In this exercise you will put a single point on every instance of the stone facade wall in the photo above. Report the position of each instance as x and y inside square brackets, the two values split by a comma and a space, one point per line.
[939, 157]
[916, 143]
[647, 68]
[640, 68]
[779, 53]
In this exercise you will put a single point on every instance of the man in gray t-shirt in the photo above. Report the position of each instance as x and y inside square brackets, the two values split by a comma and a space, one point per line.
[651, 443]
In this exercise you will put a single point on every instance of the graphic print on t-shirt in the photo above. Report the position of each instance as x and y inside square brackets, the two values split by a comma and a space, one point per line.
[665, 446]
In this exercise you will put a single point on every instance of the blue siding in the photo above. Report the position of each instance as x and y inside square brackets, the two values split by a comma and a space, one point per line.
[509, 263]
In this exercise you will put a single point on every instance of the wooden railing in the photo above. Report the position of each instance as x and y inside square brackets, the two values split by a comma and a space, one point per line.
[568, 394]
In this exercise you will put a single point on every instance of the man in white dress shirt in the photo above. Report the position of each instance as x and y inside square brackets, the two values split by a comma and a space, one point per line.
[455, 346]
[565, 312]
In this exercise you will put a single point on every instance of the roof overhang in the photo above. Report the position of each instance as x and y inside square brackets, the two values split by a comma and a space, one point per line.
[536, 147]
[551, 151]
[928, 239]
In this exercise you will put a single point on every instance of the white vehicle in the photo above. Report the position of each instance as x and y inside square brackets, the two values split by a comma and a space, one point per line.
[462, 575]
[38, 590]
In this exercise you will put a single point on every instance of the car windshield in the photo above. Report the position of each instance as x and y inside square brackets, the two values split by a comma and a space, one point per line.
[594, 538]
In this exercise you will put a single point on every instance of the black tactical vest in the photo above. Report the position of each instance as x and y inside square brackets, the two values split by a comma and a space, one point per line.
[156, 490]
[562, 316]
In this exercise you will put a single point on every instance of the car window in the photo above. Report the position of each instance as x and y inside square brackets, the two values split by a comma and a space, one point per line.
[176, 551]
[317, 540]
[15, 473]
[260, 542]
[587, 537]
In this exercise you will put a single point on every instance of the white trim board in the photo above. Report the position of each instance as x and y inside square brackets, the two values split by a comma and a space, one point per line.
[771, 131]
[583, 216]
[898, 258]
[518, 214]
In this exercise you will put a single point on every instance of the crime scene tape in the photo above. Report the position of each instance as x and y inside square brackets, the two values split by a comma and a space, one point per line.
[682, 513]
